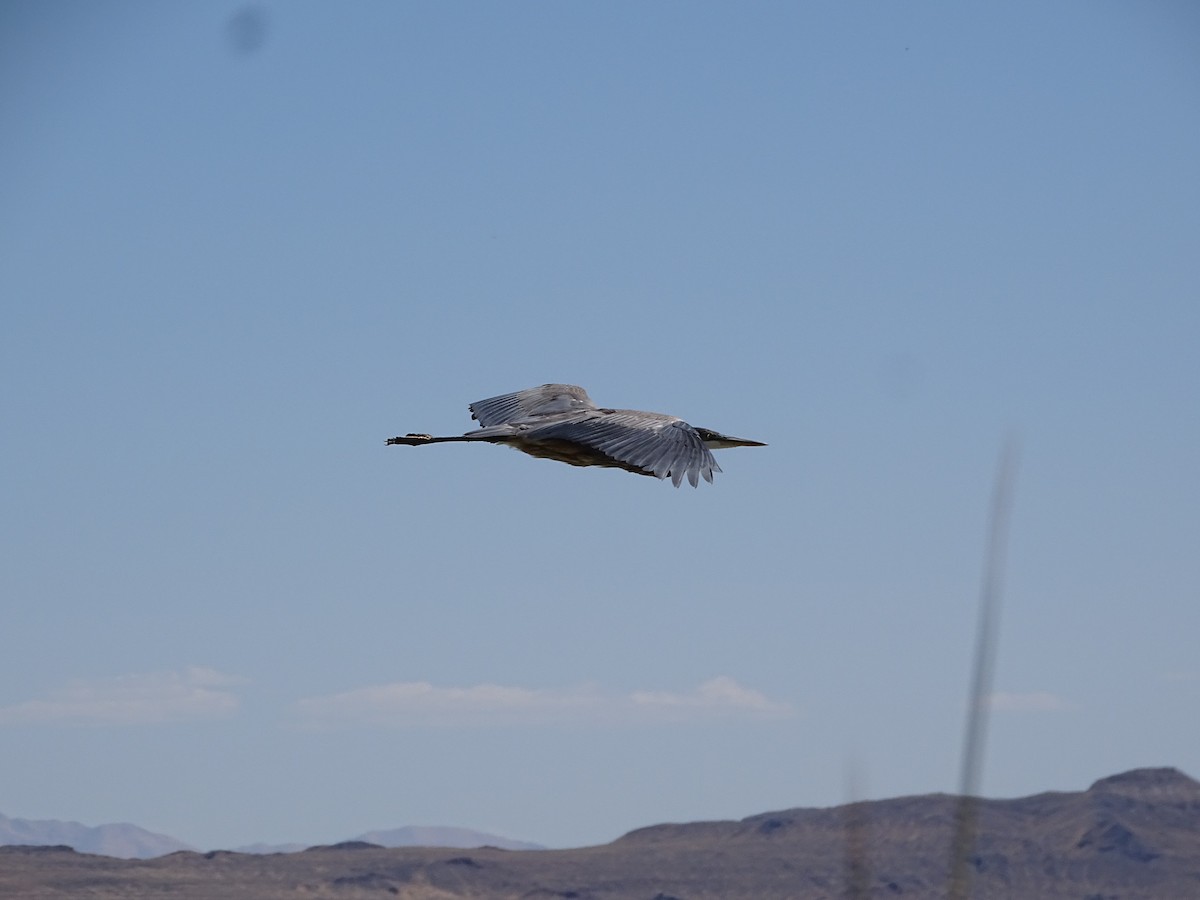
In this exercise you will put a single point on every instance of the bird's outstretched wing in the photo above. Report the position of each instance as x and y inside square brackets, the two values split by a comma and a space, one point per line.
[549, 399]
[666, 448]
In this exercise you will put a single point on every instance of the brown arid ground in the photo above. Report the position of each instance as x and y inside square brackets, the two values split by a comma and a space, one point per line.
[1134, 836]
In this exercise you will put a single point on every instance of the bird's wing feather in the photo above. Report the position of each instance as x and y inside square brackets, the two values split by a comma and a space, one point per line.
[663, 446]
[549, 399]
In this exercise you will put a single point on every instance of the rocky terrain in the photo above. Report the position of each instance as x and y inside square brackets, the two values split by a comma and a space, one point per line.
[1134, 836]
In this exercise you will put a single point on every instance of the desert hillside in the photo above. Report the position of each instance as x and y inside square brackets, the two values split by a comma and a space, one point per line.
[1135, 836]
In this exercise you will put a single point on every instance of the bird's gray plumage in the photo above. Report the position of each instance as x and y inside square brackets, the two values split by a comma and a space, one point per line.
[549, 399]
[560, 421]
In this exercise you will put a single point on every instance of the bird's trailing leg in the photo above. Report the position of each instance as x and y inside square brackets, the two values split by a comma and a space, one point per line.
[411, 440]
[416, 440]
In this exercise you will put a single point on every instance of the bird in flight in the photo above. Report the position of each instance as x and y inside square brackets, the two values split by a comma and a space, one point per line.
[560, 421]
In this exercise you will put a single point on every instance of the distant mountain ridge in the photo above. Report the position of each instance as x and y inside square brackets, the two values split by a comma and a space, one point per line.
[443, 836]
[126, 841]
[119, 839]
[412, 836]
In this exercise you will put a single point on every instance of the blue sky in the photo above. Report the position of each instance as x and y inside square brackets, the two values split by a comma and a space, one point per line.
[880, 237]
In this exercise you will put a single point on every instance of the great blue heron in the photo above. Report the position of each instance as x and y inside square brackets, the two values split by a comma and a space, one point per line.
[560, 421]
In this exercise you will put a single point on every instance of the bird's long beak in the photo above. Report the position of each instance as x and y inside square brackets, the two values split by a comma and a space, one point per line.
[714, 440]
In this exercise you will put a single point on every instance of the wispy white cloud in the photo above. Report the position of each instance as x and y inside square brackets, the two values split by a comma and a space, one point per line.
[1029, 701]
[153, 697]
[421, 703]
